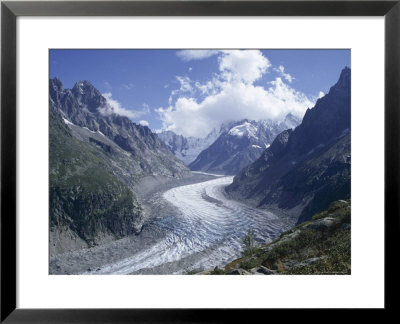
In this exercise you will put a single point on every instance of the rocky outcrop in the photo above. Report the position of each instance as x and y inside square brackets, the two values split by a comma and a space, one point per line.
[319, 246]
[88, 203]
[84, 106]
[97, 161]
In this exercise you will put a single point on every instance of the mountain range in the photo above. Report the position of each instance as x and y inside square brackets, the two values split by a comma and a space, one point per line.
[97, 159]
[229, 148]
[305, 169]
[187, 148]
[239, 145]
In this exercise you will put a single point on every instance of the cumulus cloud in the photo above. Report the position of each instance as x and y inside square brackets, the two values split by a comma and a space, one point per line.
[233, 102]
[185, 87]
[144, 123]
[281, 70]
[321, 94]
[188, 55]
[243, 66]
[207, 87]
[114, 107]
[196, 108]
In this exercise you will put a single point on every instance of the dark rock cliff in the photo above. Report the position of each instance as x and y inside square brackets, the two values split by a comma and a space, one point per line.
[306, 169]
[96, 160]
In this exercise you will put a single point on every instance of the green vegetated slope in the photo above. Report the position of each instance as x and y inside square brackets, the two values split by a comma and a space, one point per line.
[319, 246]
[97, 160]
[86, 198]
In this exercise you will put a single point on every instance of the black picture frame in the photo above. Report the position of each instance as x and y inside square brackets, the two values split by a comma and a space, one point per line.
[10, 10]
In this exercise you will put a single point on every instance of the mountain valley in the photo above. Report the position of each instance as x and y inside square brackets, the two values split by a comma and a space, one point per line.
[126, 200]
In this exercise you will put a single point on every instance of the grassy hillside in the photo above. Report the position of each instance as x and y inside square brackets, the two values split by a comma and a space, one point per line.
[319, 246]
[85, 195]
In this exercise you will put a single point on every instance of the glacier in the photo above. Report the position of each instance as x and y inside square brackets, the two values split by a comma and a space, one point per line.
[208, 230]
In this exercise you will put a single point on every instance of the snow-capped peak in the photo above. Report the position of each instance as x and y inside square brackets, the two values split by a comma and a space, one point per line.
[187, 148]
[246, 129]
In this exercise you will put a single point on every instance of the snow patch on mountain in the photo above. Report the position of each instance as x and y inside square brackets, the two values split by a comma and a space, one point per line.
[187, 148]
[246, 129]
[240, 143]
[237, 141]
[67, 121]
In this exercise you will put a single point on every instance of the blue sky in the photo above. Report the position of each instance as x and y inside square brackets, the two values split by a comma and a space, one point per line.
[192, 91]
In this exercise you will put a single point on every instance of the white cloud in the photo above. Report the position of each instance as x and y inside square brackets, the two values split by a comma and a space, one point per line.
[185, 87]
[190, 69]
[188, 55]
[206, 88]
[144, 123]
[281, 70]
[233, 102]
[244, 66]
[321, 94]
[197, 108]
[185, 84]
[128, 86]
[114, 107]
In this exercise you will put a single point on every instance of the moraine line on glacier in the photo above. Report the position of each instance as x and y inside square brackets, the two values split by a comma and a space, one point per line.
[208, 230]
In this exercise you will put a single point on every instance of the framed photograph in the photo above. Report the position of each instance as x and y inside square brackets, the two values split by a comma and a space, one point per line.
[162, 159]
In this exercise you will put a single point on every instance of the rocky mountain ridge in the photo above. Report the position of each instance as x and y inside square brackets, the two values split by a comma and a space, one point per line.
[187, 148]
[307, 168]
[97, 160]
[240, 144]
[85, 106]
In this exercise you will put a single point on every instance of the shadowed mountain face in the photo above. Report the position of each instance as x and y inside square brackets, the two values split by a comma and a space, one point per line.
[306, 169]
[84, 106]
[96, 160]
[239, 145]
